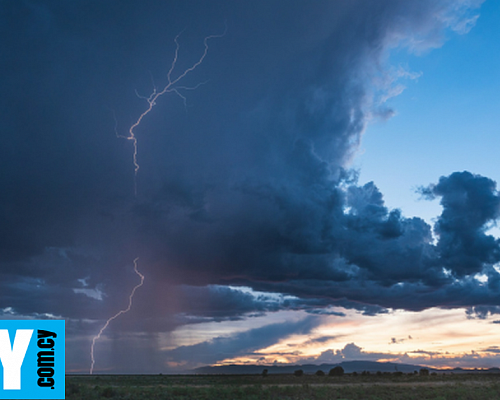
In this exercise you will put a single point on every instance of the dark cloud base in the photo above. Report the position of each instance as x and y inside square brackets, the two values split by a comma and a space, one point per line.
[248, 185]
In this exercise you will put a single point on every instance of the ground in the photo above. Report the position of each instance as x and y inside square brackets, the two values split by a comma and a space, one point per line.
[289, 387]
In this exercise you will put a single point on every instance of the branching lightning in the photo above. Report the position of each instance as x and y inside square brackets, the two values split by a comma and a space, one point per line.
[151, 99]
[171, 87]
[98, 336]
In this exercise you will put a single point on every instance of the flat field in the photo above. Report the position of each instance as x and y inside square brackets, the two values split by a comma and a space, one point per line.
[289, 387]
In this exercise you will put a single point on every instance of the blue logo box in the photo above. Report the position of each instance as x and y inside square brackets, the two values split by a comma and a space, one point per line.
[32, 359]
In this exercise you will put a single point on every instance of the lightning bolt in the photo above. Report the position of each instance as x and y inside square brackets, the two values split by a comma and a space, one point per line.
[98, 336]
[171, 87]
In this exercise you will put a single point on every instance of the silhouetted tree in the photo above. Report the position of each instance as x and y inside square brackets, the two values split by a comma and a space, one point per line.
[320, 373]
[336, 371]
[299, 372]
[264, 373]
[424, 372]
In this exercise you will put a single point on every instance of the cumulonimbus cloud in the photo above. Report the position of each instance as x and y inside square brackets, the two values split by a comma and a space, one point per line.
[248, 186]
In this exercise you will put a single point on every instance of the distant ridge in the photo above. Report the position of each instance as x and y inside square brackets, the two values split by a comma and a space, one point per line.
[348, 366]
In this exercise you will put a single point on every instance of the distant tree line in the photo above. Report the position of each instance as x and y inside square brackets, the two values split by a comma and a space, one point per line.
[336, 371]
[339, 371]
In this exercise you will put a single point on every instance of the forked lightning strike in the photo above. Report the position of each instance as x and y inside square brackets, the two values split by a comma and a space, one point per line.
[97, 337]
[170, 87]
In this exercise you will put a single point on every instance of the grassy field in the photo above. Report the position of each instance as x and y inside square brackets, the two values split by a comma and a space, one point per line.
[289, 387]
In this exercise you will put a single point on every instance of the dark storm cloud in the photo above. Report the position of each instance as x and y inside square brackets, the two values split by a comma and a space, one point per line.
[470, 204]
[219, 303]
[323, 311]
[482, 312]
[388, 247]
[246, 185]
[222, 302]
[239, 344]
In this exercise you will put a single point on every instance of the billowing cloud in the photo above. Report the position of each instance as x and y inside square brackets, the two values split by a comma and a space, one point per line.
[484, 358]
[470, 205]
[351, 352]
[246, 185]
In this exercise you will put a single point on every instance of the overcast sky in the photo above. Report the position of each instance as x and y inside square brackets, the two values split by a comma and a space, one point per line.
[307, 173]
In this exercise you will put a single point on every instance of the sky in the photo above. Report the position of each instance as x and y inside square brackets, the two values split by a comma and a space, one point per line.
[298, 182]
